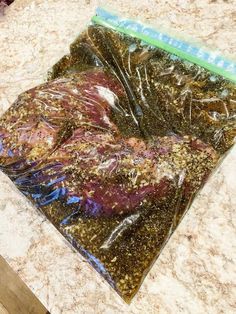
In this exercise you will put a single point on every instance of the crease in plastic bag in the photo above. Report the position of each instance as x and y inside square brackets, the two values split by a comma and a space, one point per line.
[116, 144]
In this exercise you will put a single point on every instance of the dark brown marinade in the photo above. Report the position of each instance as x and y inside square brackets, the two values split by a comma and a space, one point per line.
[114, 147]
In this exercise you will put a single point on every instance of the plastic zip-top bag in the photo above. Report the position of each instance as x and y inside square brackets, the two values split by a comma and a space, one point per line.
[116, 144]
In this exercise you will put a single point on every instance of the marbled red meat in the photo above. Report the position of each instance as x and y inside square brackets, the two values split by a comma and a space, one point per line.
[42, 117]
[68, 121]
[109, 175]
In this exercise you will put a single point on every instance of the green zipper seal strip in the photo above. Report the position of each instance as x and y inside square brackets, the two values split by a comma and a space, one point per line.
[167, 47]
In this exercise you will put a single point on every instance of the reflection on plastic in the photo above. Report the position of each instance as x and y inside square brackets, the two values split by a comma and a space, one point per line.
[115, 145]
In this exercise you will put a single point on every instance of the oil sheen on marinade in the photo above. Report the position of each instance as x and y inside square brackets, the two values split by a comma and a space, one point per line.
[115, 145]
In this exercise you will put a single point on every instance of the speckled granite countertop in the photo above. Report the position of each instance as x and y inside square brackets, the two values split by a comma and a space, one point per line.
[196, 272]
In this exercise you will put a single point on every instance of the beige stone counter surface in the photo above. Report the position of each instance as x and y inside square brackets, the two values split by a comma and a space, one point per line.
[196, 272]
